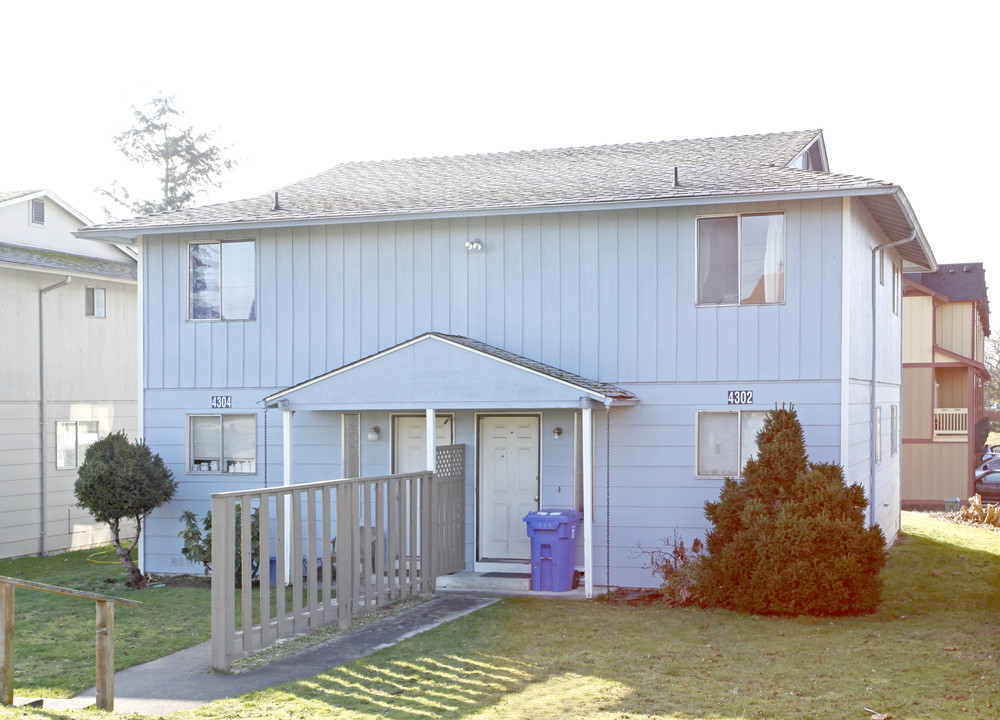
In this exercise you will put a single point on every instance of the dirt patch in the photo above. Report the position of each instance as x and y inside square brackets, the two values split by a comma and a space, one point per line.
[194, 581]
[635, 596]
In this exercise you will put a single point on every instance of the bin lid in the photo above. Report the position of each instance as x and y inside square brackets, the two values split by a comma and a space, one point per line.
[553, 516]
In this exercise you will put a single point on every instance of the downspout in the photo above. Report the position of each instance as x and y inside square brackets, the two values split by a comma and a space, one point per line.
[871, 410]
[41, 408]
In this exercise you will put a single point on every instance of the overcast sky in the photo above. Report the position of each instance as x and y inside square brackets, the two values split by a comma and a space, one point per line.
[904, 92]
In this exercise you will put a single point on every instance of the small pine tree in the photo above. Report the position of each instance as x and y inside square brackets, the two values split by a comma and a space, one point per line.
[790, 538]
[123, 480]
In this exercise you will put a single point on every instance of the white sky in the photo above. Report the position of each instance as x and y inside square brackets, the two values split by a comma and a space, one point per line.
[904, 91]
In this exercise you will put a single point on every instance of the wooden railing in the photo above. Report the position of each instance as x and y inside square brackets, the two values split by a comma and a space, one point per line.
[951, 421]
[105, 675]
[343, 545]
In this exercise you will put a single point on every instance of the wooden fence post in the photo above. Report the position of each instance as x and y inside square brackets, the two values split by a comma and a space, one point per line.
[7, 643]
[427, 532]
[105, 672]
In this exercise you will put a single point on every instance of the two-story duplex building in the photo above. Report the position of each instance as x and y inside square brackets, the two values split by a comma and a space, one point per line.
[946, 317]
[603, 328]
[68, 367]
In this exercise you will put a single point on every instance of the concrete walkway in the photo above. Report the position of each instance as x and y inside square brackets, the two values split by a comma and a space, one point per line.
[184, 680]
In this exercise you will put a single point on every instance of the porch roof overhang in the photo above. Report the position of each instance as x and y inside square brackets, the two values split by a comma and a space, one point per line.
[446, 372]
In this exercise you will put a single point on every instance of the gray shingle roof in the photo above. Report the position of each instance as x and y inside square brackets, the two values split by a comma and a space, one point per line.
[601, 388]
[732, 166]
[10, 195]
[36, 257]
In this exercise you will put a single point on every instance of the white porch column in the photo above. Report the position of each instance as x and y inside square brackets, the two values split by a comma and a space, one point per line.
[431, 441]
[286, 424]
[587, 438]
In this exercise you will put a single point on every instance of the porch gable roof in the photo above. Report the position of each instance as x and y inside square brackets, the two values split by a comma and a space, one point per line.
[440, 371]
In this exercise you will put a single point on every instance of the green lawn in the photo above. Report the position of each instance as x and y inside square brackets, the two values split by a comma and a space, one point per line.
[931, 652]
[54, 635]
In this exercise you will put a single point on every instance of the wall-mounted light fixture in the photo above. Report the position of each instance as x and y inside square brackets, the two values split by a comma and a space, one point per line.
[476, 245]
[373, 433]
[557, 433]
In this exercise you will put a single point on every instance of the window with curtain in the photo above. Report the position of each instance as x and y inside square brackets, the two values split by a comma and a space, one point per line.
[222, 281]
[741, 259]
[726, 440]
[224, 443]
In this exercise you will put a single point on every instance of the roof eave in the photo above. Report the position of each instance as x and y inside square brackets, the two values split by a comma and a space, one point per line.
[128, 236]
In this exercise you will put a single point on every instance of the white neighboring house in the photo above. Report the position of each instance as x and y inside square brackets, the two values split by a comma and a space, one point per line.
[68, 367]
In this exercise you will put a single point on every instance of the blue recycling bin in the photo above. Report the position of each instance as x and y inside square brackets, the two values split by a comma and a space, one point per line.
[553, 548]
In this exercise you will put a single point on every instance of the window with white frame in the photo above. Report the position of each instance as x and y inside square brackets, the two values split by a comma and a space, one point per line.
[878, 434]
[224, 443]
[741, 259]
[893, 441]
[222, 280]
[38, 211]
[72, 440]
[897, 282]
[726, 440]
[95, 304]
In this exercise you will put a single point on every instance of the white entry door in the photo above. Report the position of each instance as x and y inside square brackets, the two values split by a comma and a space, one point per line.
[508, 482]
[409, 444]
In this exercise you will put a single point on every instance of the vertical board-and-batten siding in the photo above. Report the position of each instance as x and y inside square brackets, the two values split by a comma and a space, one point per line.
[863, 235]
[608, 295]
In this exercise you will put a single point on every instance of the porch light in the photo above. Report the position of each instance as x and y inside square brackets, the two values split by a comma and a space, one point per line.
[557, 433]
[476, 245]
[373, 433]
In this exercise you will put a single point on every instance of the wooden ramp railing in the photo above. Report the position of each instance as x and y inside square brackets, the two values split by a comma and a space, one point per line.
[105, 676]
[343, 545]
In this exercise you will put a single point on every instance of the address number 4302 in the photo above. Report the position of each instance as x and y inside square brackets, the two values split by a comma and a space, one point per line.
[740, 397]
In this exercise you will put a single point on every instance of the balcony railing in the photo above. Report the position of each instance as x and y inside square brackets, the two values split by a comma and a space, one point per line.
[951, 422]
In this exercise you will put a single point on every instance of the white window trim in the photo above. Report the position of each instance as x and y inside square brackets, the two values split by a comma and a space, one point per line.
[93, 289]
[878, 434]
[739, 257]
[76, 441]
[31, 212]
[739, 438]
[894, 440]
[187, 288]
[189, 445]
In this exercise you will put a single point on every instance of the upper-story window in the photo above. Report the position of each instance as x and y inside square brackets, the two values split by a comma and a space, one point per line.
[38, 211]
[95, 303]
[741, 259]
[222, 281]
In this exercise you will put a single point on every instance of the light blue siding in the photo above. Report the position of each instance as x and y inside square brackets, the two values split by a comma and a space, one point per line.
[609, 295]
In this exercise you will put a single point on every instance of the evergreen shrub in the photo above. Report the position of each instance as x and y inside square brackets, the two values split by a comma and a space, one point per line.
[790, 537]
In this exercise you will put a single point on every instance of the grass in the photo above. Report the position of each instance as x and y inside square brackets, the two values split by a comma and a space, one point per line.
[930, 652]
[54, 635]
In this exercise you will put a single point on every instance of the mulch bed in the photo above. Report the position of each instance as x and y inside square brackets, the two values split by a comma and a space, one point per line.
[959, 520]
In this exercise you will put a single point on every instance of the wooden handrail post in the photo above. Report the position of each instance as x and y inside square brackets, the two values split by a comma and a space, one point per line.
[105, 680]
[7, 643]
[105, 636]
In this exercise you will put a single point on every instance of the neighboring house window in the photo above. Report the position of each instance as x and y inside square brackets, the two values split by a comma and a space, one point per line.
[38, 211]
[222, 281]
[881, 267]
[896, 289]
[96, 302]
[726, 440]
[893, 442]
[741, 259]
[222, 443]
[72, 440]
[878, 434]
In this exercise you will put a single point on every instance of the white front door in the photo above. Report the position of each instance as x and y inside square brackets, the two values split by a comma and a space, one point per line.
[409, 440]
[508, 482]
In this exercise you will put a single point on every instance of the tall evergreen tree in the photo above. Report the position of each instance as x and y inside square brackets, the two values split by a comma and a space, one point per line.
[187, 162]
